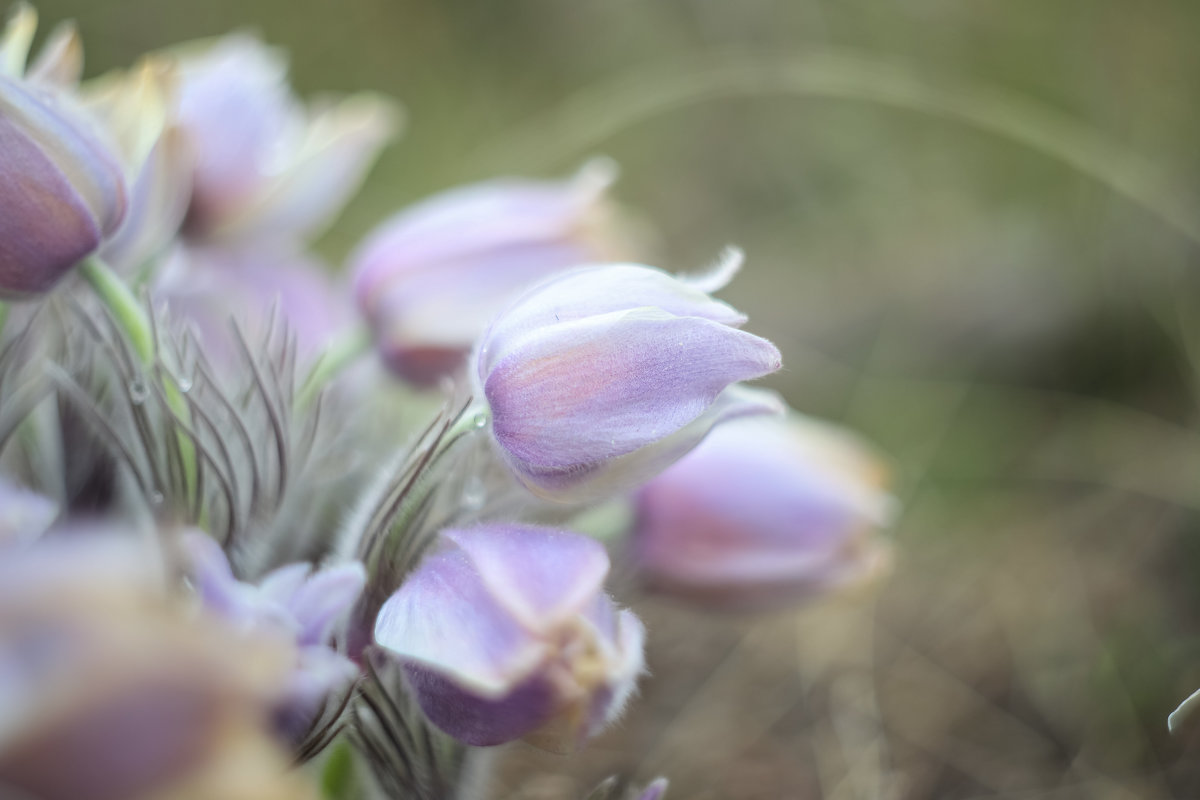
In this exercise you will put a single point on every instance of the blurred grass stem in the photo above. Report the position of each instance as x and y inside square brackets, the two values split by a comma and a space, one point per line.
[589, 118]
[343, 352]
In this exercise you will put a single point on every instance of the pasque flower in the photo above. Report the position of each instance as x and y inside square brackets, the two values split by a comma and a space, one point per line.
[505, 633]
[109, 690]
[600, 377]
[430, 278]
[292, 602]
[136, 105]
[264, 174]
[266, 166]
[763, 513]
[62, 190]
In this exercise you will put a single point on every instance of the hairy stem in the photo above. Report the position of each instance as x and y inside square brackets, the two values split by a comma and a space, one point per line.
[124, 307]
[344, 351]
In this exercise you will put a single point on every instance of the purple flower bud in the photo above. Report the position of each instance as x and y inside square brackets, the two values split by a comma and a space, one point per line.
[506, 633]
[431, 278]
[24, 515]
[763, 513]
[292, 602]
[600, 377]
[61, 187]
[267, 167]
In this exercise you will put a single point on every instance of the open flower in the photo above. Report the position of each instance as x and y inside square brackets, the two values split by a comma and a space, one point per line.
[430, 278]
[765, 512]
[62, 190]
[293, 603]
[505, 634]
[600, 377]
[136, 106]
[266, 166]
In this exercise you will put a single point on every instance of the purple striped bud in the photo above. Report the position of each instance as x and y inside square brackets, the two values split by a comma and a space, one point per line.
[505, 633]
[600, 377]
[293, 603]
[62, 190]
[431, 278]
[763, 513]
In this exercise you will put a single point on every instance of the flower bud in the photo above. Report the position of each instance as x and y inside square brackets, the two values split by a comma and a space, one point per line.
[600, 377]
[505, 633]
[61, 188]
[765, 512]
[431, 278]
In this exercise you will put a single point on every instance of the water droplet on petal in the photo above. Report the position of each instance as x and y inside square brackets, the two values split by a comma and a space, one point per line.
[481, 419]
[185, 384]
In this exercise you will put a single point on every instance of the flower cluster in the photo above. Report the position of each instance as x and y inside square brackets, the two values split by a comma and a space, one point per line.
[220, 550]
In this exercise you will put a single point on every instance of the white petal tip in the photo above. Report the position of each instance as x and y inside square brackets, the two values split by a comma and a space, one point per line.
[595, 177]
[1180, 715]
[720, 272]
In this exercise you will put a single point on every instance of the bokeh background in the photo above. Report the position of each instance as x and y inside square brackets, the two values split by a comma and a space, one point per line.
[973, 230]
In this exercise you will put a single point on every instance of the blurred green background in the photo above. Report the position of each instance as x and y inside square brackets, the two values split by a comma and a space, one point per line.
[972, 228]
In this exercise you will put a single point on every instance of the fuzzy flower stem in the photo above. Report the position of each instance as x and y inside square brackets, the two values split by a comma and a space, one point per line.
[123, 305]
[130, 315]
[343, 352]
[187, 448]
[473, 418]
[3, 315]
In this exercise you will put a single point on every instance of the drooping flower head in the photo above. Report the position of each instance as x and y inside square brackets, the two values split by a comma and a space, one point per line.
[600, 377]
[505, 633]
[62, 190]
[432, 277]
[765, 512]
